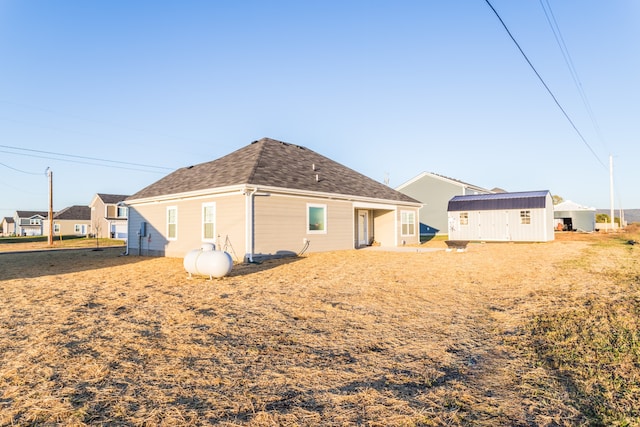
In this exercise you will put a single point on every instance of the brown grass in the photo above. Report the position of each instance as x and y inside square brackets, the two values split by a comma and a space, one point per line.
[503, 334]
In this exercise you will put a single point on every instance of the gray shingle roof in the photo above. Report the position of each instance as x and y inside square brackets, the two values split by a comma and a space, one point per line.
[77, 212]
[30, 214]
[112, 198]
[273, 163]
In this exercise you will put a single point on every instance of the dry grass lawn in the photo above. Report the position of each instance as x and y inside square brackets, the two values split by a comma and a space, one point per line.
[503, 334]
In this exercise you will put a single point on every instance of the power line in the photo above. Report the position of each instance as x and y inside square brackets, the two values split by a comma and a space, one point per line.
[19, 170]
[78, 161]
[555, 28]
[80, 157]
[545, 84]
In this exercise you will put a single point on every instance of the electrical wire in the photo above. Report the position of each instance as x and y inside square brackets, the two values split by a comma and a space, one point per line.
[545, 85]
[19, 170]
[78, 161]
[555, 28]
[84, 157]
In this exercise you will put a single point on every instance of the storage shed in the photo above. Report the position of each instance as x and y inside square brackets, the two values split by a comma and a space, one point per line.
[570, 216]
[502, 217]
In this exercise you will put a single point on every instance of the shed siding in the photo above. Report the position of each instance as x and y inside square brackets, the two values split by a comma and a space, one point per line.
[583, 220]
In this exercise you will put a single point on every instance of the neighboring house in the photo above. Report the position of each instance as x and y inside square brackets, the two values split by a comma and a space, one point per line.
[523, 216]
[266, 199]
[435, 191]
[570, 216]
[29, 223]
[109, 216]
[72, 221]
[8, 226]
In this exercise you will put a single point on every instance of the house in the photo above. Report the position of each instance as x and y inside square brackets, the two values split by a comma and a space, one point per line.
[71, 221]
[29, 223]
[522, 216]
[269, 198]
[109, 216]
[570, 216]
[8, 226]
[435, 191]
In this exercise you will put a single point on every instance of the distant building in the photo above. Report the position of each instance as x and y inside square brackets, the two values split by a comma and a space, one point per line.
[502, 217]
[29, 223]
[71, 221]
[8, 226]
[109, 216]
[435, 191]
[570, 216]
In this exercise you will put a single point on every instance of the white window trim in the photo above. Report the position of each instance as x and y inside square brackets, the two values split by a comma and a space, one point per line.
[167, 220]
[317, 205]
[413, 215]
[215, 213]
[464, 215]
[56, 227]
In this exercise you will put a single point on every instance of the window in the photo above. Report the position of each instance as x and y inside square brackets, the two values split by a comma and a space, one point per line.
[34, 221]
[464, 218]
[525, 217]
[122, 211]
[316, 219]
[208, 221]
[408, 223]
[172, 223]
[56, 228]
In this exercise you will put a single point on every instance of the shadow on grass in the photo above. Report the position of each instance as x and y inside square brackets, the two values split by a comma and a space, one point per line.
[30, 264]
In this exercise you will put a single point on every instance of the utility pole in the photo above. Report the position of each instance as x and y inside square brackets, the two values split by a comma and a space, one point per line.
[613, 223]
[50, 175]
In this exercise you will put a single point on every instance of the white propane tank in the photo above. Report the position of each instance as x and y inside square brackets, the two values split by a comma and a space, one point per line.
[208, 262]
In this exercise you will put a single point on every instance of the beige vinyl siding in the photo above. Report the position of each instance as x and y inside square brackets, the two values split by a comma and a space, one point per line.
[67, 227]
[112, 211]
[383, 226]
[229, 222]
[281, 225]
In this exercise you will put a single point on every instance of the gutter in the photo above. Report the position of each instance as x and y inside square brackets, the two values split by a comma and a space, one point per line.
[248, 244]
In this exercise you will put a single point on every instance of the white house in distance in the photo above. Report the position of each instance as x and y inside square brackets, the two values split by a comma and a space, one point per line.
[267, 199]
[435, 191]
[502, 217]
[570, 216]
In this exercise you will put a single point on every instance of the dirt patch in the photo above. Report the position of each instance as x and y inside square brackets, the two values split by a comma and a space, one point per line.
[339, 338]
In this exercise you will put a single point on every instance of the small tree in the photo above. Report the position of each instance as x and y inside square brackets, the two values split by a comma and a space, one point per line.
[97, 227]
[602, 218]
[557, 199]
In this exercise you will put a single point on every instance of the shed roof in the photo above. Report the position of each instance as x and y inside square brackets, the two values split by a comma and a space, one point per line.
[518, 200]
[568, 205]
[273, 163]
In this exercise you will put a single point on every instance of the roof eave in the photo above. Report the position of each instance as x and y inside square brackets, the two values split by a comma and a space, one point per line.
[267, 188]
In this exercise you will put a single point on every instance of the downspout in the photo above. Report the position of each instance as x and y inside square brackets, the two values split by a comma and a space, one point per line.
[249, 224]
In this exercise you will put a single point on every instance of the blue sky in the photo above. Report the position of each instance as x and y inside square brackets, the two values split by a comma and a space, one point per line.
[390, 89]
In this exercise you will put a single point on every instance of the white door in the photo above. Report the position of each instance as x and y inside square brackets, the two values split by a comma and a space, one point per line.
[363, 228]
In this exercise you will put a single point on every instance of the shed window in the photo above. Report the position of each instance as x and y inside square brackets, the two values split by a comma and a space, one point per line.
[525, 217]
[172, 223]
[464, 218]
[408, 222]
[316, 218]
